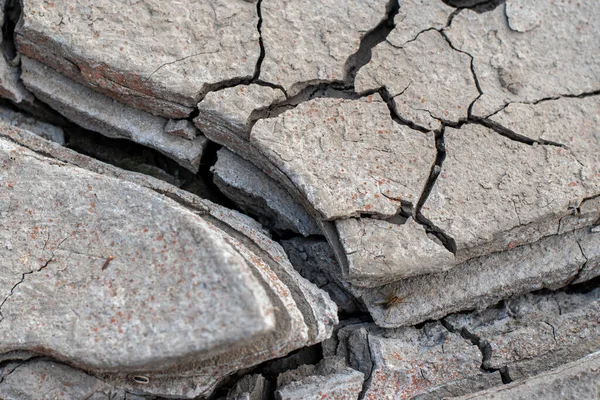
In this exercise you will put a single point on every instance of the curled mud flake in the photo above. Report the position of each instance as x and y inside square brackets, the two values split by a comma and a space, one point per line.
[141, 379]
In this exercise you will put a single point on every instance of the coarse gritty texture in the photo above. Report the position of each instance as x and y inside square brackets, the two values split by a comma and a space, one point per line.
[107, 46]
[430, 361]
[101, 114]
[381, 252]
[536, 332]
[309, 42]
[427, 79]
[80, 249]
[416, 16]
[576, 380]
[495, 193]
[512, 60]
[348, 156]
[47, 380]
[232, 109]
[551, 262]
[259, 195]
[303, 314]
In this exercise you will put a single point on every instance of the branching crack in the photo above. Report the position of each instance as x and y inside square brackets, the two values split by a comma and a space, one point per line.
[42, 267]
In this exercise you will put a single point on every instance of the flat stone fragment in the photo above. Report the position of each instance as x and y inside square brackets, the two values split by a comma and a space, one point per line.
[495, 193]
[331, 379]
[547, 49]
[107, 46]
[250, 387]
[380, 252]
[572, 122]
[43, 129]
[232, 110]
[182, 128]
[259, 195]
[309, 42]
[315, 260]
[429, 363]
[415, 16]
[550, 263]
[46, 380]
[536, 332]
[101, 114]
[302, 314]
[427, 79]
[348, 157]
[576, 380]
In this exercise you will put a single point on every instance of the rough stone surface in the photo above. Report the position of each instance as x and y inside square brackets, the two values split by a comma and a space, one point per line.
[380, 252]
[576, 380]
[45, 130]
[46, 380]
[495, 193]
[535, 333]
[416, 16]
[99, 113]
[478, 283]
[512, 59]
[347, 156]
[181, 127]
[233, 109]
[309, 42]
[259, 195]
[107, 46]
[427, 79]
[250, 387]
[430, 362]
[303, 315]
[330, 380]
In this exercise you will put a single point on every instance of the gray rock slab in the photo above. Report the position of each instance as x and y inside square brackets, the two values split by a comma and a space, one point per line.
[551, 263]
[330, 379]
[535, 333]
[303, 314]
[494, 193]
[576, 380]
[591, 251]
[233, 110]
[380, 252]
[427, 79]
[430, 362]
[259, 195]
[572, 122]
[545, 50]
[416, 16]
[107, 46]
[182, 128]
[47, 380]
[309, 42]
[348, 156]
[315, 260]
[250, 387]
[99, 113]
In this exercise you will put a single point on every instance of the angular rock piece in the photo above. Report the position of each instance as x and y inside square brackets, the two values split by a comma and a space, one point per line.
[149, 54]
[46, 380]
[99, 113]
[416, 16]
[546, 50]
[250, 387]
[495, 193]
[429, 363]
[280, 311]
[43, 129]
[259, 195]
[348, 156]
[535, 333]
[230, 110]
[309, 42]
[428, 80]
[330, 379]
[576, 380]
[550, 263]
[380, 252]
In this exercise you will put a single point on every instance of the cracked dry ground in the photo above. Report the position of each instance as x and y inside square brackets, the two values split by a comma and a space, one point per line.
[300, 199]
